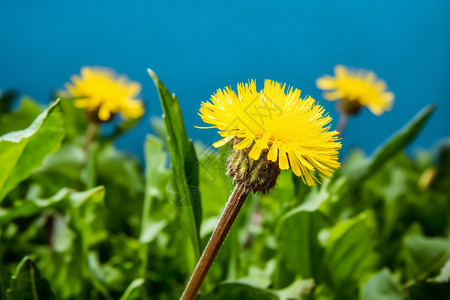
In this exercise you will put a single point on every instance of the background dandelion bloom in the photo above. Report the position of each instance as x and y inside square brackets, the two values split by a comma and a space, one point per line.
[100, 90]
[278, 125]
[360, 85]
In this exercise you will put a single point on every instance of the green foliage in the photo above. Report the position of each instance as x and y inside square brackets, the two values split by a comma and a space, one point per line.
[22, 117]
[94, 223]
[382, 285]
[23, 151]
[28, 284]
[184, 163]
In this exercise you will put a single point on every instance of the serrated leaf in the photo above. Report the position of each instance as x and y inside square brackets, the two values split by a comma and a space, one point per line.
[23, 151]
[184, 162]
[28, 284]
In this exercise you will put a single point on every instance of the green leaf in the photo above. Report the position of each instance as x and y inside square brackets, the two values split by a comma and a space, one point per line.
[132, 291]
[72, 236]
[155, 181]
[214, 183]
[60, 169]
[28, 284]
[444, 275]
[26, 208]
[21, 118]
[298, 242]
[397, 142]
[75, 120]
[105, 275]
[184, 162]
[424, 255]
[349, 252]
[121, 173]
[235, 290]
[436, 288]
[111, 162]
[299, 290]
[382, 285]
[23, 151]
[154, 218]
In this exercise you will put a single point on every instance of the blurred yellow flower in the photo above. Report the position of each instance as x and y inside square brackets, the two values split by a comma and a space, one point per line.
[277, 125]
[101, 91]
[361, 86]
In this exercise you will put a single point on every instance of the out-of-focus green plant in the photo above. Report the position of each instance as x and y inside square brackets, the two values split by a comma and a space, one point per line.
[100, 225]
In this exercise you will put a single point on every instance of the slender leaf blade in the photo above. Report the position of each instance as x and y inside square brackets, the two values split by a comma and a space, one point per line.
[184, 160]
[132, 291]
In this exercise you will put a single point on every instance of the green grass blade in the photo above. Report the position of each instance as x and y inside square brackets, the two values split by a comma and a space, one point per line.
[184, 161]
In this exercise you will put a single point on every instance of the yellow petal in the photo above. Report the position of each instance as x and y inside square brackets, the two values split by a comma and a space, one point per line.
[222, 142]
[273, 153]
[326, 83]
[340, 71]
[104, 113]
[284, 163]
[244, 144]
[332, 95]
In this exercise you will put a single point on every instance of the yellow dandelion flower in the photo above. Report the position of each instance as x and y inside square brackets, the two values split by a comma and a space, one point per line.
[359, 86]
[100, 91]
[277, 125]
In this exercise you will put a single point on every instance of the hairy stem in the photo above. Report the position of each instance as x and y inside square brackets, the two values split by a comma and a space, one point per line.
[229, 214]
[342, 124]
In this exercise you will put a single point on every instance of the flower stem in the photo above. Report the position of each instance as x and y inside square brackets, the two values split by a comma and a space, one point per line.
[342, 124]
[229, 214]
[90, 134]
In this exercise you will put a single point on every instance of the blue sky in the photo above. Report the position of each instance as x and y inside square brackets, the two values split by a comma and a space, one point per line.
[197, 47]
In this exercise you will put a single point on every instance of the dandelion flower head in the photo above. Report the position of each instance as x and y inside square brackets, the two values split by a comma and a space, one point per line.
[357, 85]
[278, 124]
[100, 90]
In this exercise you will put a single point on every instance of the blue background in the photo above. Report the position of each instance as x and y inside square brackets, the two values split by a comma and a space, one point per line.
[198, 46]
